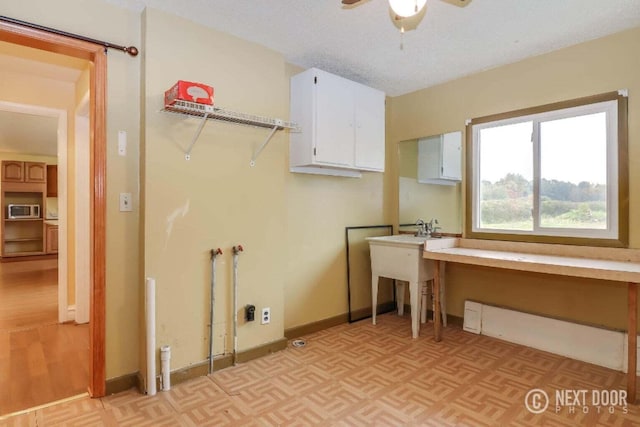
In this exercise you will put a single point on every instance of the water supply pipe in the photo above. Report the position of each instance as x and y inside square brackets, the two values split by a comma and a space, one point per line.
[150, 317]
[212, 302]
[236, 253]
[165, 368]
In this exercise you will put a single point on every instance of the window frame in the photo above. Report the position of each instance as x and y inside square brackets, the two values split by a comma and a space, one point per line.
[619, 238]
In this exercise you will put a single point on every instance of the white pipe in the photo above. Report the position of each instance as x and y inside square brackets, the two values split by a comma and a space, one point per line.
[236, 253]
[165, 367]
[150, 316]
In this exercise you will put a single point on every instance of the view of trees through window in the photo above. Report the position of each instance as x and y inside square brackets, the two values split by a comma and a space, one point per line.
[507, 204]
[571, 157]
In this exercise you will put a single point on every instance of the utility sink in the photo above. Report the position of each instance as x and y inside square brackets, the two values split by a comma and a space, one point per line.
[400, 257]
[402, 239]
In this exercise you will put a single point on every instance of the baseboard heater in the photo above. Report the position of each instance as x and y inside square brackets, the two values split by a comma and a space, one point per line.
[599, 346]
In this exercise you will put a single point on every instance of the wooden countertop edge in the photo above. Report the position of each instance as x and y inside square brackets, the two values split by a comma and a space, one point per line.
[557, 265]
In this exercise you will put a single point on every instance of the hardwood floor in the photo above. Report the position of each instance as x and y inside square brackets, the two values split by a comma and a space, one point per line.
[40, 360]
[28, 294]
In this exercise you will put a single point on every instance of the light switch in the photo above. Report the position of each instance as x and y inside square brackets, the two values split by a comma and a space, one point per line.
[122, 143]
[125, 202]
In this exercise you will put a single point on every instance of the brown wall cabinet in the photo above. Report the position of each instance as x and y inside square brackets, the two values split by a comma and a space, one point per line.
[22, 183]
[52, 180]
[16, 171]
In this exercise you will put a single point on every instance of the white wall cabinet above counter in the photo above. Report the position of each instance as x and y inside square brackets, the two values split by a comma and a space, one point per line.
[440, 159]
[343, 125]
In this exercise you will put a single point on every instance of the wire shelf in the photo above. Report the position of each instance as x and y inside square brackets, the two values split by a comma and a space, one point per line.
[220, 114]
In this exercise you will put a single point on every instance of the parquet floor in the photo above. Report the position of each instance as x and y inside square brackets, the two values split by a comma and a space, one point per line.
[40, 360]
[364, 375]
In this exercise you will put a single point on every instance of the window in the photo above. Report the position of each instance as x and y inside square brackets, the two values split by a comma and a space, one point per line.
[555, 173]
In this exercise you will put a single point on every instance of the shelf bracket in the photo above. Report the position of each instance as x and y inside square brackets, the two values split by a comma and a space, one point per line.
[264, 144]
[187, 155]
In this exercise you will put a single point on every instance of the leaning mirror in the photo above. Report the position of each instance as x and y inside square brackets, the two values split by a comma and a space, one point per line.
[429, 177]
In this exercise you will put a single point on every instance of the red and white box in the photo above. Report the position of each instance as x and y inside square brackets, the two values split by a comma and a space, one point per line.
[189, 91]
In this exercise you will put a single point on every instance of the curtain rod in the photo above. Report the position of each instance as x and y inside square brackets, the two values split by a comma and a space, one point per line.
[131, 50]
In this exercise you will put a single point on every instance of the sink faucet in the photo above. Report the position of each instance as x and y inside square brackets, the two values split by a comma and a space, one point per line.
[432, 226]
[425, 229]
[422, 228]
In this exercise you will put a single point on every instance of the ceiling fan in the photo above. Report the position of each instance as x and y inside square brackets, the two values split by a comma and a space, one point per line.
[405, 14]
[459, 3]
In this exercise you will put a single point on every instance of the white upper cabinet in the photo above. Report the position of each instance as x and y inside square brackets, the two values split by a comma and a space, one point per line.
[342, 123]
[440, 159]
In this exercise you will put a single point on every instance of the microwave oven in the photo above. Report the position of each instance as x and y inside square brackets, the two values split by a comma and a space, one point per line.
[19, 211]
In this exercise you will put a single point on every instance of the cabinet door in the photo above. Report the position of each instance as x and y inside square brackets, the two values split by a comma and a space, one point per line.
[52, 239]
[35, 172]
[451, 167]
[334, 120]
[52, 180]
[429, 159]
[12, 171]
[369, 135]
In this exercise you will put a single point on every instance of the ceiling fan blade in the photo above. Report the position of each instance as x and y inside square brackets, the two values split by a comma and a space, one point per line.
[459, 3]
[350, 2]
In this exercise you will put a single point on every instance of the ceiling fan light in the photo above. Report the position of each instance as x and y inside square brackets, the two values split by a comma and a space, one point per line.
[406, 8]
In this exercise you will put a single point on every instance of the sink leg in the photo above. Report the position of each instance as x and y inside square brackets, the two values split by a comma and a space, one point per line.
[437, 321]
[400, 289]
[374, 297]
[423, 303]
[443, 300]
[414, 294]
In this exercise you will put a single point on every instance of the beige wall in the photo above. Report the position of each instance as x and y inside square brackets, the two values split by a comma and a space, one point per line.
[216, 199]
[594, 67]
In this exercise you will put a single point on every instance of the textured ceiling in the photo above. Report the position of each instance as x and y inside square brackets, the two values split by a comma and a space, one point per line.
[362, 43]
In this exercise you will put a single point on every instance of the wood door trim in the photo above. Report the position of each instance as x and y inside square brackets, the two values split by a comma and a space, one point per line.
[29, 37]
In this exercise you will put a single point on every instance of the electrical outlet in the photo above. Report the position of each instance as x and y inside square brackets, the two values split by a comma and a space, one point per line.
[266, 316]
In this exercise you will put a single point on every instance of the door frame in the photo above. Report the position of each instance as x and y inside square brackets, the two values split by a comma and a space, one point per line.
[29, 37]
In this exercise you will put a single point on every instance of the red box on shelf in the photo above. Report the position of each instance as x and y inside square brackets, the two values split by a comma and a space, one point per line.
[189, 91]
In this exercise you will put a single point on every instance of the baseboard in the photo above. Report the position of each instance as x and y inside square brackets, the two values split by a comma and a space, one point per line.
[123, 383]
[309, 328]
[200, 369]
[71, 313]
[320, 325]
